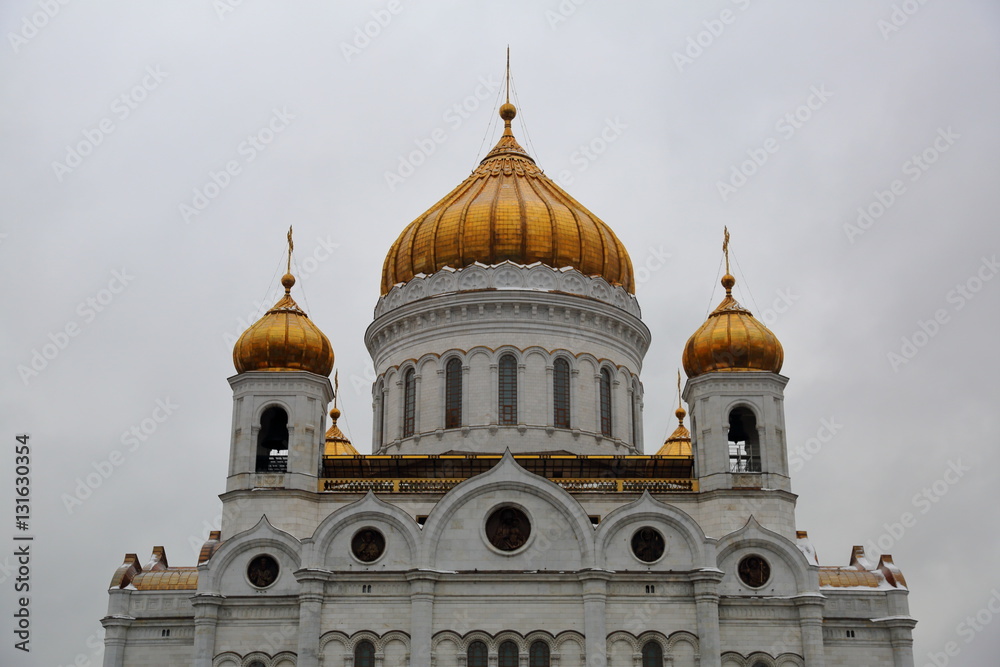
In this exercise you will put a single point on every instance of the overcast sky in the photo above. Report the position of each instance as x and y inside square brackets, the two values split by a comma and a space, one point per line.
[136, 257]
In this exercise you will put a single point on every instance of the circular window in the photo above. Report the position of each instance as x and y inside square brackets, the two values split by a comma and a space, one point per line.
[508, 528]
[754, 571]
[262, 571]
[368, 545]
[648, 544]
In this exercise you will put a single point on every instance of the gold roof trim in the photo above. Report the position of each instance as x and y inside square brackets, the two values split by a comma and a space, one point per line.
[338, 444]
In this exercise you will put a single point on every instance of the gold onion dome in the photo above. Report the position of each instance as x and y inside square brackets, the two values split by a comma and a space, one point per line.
[507, 209]
[679, 442]
[731, 339]
[337, 444]
[284, 339]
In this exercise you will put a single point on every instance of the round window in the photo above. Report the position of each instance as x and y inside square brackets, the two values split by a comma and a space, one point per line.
[754, 571]
[368, 545]
[508, 528]
[262, 571]
[648, 544]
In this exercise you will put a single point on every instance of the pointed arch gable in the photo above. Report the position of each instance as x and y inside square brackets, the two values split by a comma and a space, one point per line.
[508, 475]
[262, 535]
[370, 508]
[753, 535]
[647, 508]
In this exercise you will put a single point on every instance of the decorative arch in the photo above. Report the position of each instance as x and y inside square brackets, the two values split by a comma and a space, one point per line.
[369, 508]
[623, 636]
[568, 636]
[226, 659]
[508, 475]
[262, 535]
[334, 636]
[649, 509]
[753, 535]
[683, 637]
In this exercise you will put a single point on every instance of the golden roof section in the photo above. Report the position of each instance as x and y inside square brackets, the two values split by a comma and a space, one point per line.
[507, 209]
[836, 577]
[337, 444]
[171, 579]
[731, 339]
[284, 339]
[679, 442]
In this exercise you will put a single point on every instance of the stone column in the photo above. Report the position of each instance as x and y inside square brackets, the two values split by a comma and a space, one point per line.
[706, 597]
[901, 639]
[595, 623]
[206, 619]
[310, 614]
[115, 635]
[421, 616]
[811, 625]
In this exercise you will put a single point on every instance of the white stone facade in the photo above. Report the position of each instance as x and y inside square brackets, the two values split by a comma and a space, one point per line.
[571, 574]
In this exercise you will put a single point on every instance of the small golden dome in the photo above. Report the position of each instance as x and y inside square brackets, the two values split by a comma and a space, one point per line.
[284, 339]
[731, 339]
[507, 209]
[337, 444]
[679, 442]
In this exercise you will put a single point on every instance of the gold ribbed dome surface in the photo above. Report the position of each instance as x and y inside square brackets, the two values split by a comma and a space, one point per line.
[679, 442]
[284, 339]
[337, 444]
[507, 209]
[731, 339]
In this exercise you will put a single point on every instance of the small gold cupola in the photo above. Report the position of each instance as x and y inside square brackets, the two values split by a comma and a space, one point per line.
[284, 339]
[731, 339]
[337, 444]
[679, 442]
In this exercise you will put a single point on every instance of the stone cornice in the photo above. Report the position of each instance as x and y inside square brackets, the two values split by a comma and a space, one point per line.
[535, 277]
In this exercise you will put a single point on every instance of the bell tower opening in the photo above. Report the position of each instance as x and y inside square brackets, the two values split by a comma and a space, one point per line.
[744, 442]
[272, 441]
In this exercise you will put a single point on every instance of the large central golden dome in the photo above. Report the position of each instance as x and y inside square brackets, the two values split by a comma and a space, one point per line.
[507, 209]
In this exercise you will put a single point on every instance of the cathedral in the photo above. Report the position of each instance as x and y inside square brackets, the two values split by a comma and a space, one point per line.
[509, 515]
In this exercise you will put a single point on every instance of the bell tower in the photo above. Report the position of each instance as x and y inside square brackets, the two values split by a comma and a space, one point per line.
[280, 393]
[736, 397]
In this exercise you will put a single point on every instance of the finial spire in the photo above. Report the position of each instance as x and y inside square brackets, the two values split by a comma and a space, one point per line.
[678, 388]
[508, 110]
[336, 386]
[508, 74]
[288, 279]
[725, 246]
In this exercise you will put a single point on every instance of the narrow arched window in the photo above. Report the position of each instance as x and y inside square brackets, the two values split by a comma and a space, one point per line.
[560, 393]
[272, 441]
[508, 390]
[409, 402]
[477, 655]
[380, 413]
[652, 654]
[538, 656]
[606, 402]
[507, 654]
[364, 654]
[636, 416]
[744, 445]
[453, 394]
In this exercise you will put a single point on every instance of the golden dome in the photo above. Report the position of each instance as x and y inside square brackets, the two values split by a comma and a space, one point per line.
[284, 339]
[507, 209]
[337, 444]
[679, 442]
[731, 339]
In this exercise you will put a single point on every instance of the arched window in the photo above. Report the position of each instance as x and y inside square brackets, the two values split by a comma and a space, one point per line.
[507, 408]
[560, 393]
[453, 393]
[744, 445]
[652, 654]
[380, 413]
[272, 441]
[507, 654]
[606, 402]
[364, 654]
[538, 655]
[477, 655]
[409, 401]
[635, 417]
